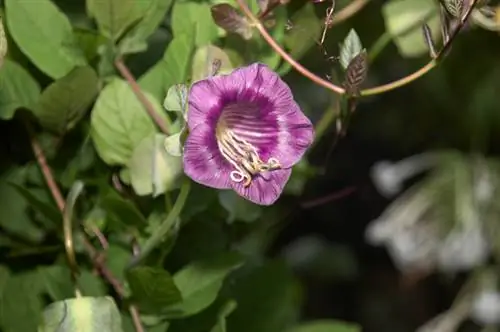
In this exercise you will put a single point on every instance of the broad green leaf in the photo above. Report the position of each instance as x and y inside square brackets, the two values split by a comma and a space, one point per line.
[15, 218]
[404, 19]
[268, 299]
[308, 29]
[152, 170]
[45, 35]
[89, 41]
[91, 284]
[173, 144]
[136, 40]
[189, 14]
[118, 259]
[20, 288]
[238, 208]
[122, 211]
[326, 326]
[200, 283]
[84, 314]
[48, 210]
[17, 89]
[64, 102]
[153, 289]
[119, 122]
[350, 48]
[172, 69]
[227, 17]
[204, 60]
[114, 16]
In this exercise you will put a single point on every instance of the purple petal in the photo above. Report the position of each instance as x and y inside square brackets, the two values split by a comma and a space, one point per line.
[262, 191]
[205, 103]
[202, 160]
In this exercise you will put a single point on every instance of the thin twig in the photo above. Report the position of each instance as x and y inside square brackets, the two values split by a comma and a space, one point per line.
[337, 89]
[122, 68]
[93, 253]
[328, 198]
[348, 11]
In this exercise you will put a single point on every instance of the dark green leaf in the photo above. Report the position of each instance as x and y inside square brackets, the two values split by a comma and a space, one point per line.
[152, 288]
[48, 210]
[306, 30]
[238, 208]
[172, 69]
[64, 102]
[122, 210]
[200, 283]
[326, 326]
[57, 282]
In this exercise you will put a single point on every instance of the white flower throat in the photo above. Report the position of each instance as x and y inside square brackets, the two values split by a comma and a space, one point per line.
[242, 155]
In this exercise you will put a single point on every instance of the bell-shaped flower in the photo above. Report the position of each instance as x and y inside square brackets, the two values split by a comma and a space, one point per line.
[245, 133]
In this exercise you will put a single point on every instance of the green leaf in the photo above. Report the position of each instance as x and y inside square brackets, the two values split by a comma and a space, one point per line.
[15, 218]
[177, 97]
[153, 289]
[3, 43]
[268, 299]
[404, 19]
[172, 69]
[45, 35]
[119, 122]
[57, 281]
[350, 48]
[189, 14]
[89, 41]
[136, 40]
[64, 102]
[326, 326]
[238, 207]
[48, 210]
[114, 16]
[299, 40]
[17, 89]
[84, 314]
[25, 289]
[226, 310]
[204, 59]
[200, 283]
[118, 260]
[122, 210]
[173, 144]
[152, 170]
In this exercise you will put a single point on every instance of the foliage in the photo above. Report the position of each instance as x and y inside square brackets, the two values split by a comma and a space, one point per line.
[98, 89]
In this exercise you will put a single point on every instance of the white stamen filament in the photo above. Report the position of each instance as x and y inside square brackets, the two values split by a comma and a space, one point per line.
[242, 155]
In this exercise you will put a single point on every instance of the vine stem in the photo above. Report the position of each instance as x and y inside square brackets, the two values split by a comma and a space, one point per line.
[92, 251]
[348, 11]
[125, 72]
[337, 89]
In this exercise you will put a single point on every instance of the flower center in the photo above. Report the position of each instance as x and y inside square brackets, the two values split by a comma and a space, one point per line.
[241, 154]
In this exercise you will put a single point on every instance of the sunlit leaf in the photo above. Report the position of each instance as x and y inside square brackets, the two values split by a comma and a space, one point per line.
[194, 19]
[84, 314]
[204, 59]
[350, 48]
[45, 35]
[119, 122]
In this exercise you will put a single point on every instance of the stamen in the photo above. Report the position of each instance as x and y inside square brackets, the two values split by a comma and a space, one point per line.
[242, 155]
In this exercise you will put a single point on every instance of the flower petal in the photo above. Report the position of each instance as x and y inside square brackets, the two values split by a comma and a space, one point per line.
[264, 190]
[203, 161]
[205, 103]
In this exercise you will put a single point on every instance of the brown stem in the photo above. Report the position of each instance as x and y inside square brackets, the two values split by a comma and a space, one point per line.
[122, 68]
[92, 251]
[337, 89]
[348, 11]
[328, 198]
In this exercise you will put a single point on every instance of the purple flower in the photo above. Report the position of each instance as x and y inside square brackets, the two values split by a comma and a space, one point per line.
[245, 133]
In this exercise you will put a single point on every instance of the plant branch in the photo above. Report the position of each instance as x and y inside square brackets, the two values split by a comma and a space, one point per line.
[328, 198]
[348, 11]
[125, 72]
[93, 253]
[337, 89]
